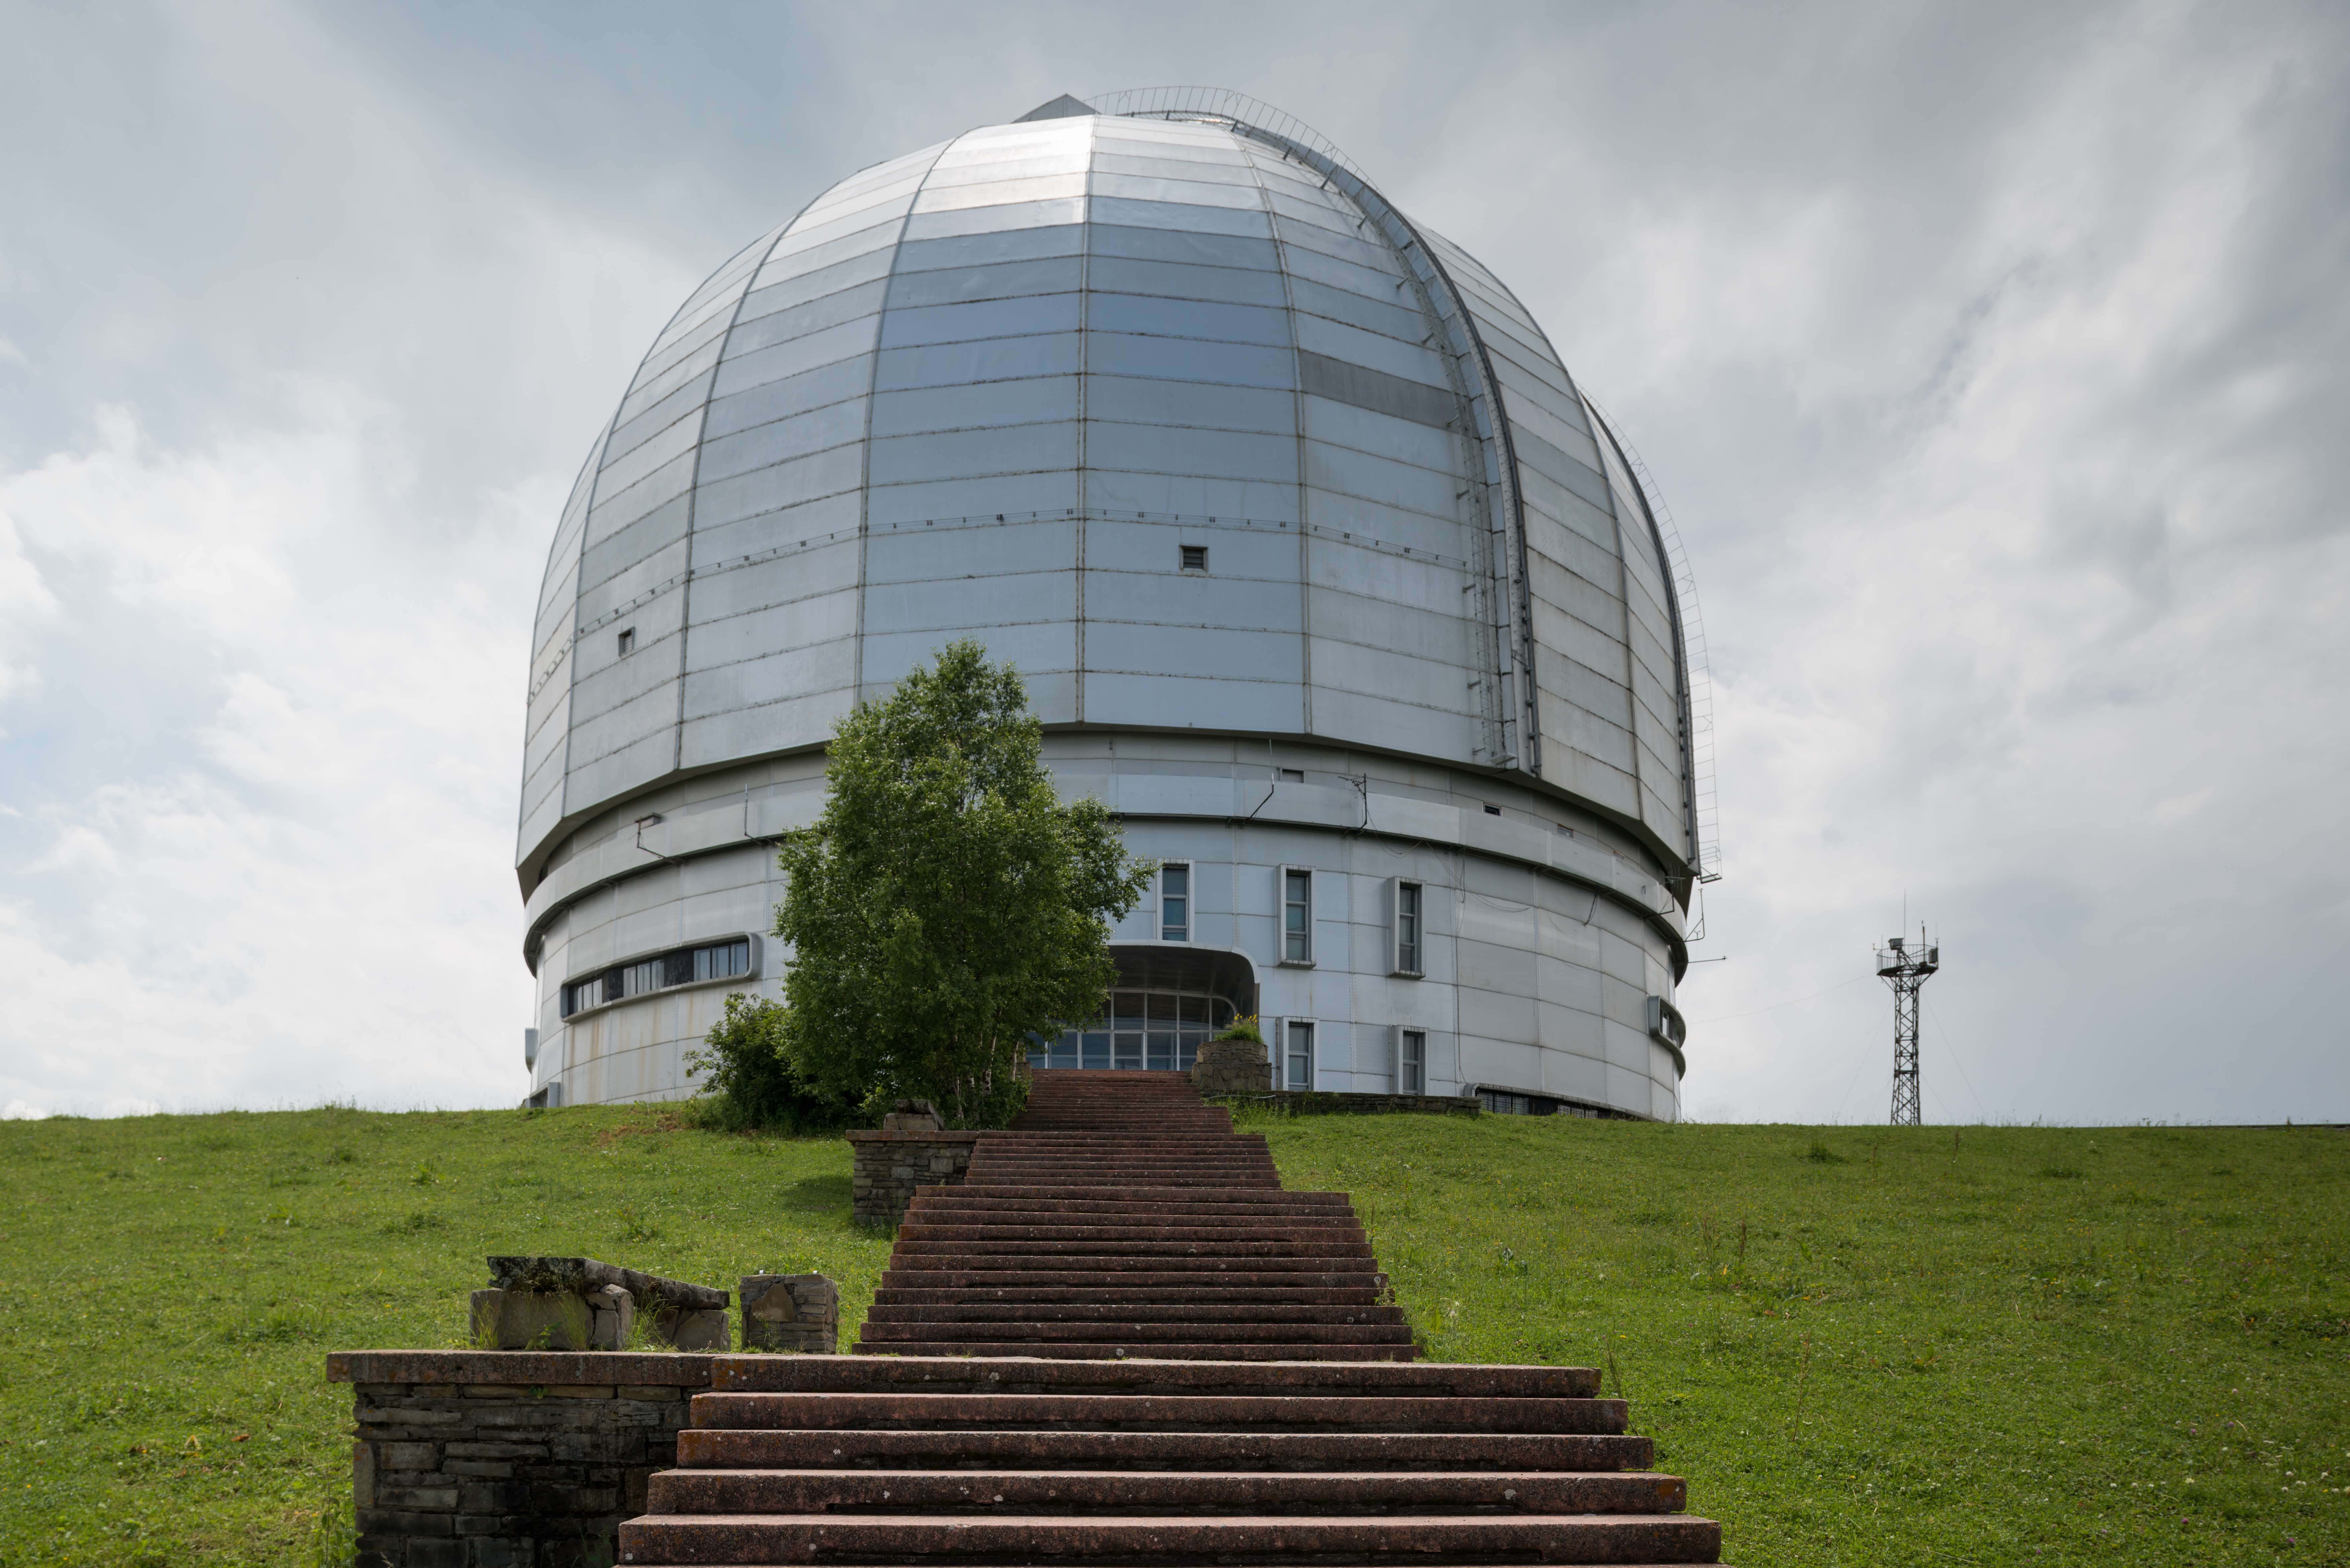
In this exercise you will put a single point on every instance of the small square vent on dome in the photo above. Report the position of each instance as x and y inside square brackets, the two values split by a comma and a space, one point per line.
[1062, 107]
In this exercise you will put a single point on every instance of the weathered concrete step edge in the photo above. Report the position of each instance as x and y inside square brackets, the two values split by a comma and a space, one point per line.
[1139, 1335]
[1136, 1279]
[786, 1490]
[1009, 1374]
[1111, 1350]
[1237, 1247]
[1417, 1538]
[1179, 1310]
[1182, 1413]
[1113, 1295]
[1577, 1452]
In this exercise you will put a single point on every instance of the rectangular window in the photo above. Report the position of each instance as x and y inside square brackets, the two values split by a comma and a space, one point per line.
[1292, 775]
[1296, 915]
[1492, 811]
[1195, 557]
[1411, 1061]
[1175, 903]
[1299, 1054]
[660, 972]
[1406, 910]
[628, 641]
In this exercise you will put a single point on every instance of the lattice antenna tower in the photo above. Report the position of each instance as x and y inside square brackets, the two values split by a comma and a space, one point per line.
[1907, 966]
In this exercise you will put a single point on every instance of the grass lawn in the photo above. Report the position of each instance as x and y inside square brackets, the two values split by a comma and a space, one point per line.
[1862, 1346]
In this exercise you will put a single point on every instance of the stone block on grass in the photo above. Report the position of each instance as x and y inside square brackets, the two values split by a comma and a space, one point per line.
[791, 1312]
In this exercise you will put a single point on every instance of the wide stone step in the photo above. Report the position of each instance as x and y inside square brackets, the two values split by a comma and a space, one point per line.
[1276, 1199]
[950, 1206]
[1140, 1263]
[1157, 1412]
[1112, 1247]
[1076, 1229]
[1421, 1539]
[1026, 1374]
[1261, 1296]
[1054, 1451]
[1175, 1311]
[1219, 1350]
[1116, 1491]
[1130, 1332]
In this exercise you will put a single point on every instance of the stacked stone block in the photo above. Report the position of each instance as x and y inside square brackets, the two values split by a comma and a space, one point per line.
[891, 1166]
[796, 1313]
[507, 1460]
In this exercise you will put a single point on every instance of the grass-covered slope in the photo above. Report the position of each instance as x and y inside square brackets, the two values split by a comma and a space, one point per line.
[174, 1283]
[2015, 1346]
[1997, 1345]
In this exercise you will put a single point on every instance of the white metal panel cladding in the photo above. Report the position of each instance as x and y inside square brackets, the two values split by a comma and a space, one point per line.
[994, 386]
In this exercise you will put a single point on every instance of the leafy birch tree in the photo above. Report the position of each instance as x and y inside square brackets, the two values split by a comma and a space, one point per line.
[947, 905]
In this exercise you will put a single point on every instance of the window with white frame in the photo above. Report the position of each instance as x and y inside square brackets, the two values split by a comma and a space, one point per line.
[1297, 1053]
[1412, 1061]
[1296, 915]
[1175, 903]
[1406, 899]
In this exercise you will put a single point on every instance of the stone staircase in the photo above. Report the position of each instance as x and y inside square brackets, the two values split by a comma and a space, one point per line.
[1121, 1216]
[1121, 1342]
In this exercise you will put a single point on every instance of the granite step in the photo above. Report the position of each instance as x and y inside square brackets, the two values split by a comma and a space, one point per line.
[1157, 1412]
[757, 1489]
[878, 1335]
[1108, 1351]
[1430, 1380]
[1156, 1310]
[1431, 1540]
[1573, 1452]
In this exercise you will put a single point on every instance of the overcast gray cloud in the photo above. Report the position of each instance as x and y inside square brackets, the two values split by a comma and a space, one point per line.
[1991, 360]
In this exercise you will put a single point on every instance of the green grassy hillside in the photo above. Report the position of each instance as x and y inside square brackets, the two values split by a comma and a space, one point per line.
[1862, 1346]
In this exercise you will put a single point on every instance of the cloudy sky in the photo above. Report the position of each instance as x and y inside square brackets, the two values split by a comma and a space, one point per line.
[1993, 360]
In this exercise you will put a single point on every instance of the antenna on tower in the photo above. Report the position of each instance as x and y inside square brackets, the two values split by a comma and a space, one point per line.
[1907, 969]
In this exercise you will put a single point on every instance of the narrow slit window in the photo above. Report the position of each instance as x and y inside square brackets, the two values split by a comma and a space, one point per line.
[1412, 1061]
[1492, 811]
[1292, 775]
[1296, 916]
[627, 640]
[1408, 928]
[1175, 904]
[1300, 1055]
[1195, 557]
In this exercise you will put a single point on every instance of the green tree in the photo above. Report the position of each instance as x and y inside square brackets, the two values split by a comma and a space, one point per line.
[947, 905]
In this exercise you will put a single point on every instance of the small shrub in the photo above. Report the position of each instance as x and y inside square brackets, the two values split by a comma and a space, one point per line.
[1821, 1154]
[748, 1080]
[1243, 1028]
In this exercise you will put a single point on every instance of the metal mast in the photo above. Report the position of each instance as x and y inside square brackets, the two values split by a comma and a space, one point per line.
[1907, 969]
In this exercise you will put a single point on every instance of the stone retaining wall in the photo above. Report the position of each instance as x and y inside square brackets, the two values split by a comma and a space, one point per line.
[467, 1458]
[889, 1165]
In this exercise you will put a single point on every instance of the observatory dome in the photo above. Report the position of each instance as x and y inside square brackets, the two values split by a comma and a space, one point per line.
[1320, 569]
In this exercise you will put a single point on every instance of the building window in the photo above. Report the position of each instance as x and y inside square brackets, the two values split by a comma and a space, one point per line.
[1407, 930]
[1296, 915]
[627, 640]
[1298, 1054]
[1175, 903]
[1411, 1061]
[1161, 1031]
[1492, 811]
[1292, 775]
[1195, 557]
[662, 972]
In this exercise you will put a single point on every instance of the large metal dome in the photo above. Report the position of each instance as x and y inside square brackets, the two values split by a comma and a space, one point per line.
[1173, 409]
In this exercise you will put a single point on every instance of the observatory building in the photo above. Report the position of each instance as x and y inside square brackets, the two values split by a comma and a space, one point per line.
[1323, 574]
